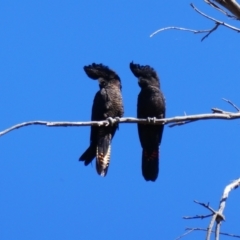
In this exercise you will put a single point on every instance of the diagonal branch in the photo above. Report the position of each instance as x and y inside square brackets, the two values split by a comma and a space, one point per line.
[213, 29]
[217, 22]
[186, 233]
[231, 5]
[235, 184]
[232, 104]
[219, 9]
[219, 217]
[206, 206]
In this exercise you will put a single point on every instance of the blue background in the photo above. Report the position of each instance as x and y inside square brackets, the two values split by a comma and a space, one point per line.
[45, 193]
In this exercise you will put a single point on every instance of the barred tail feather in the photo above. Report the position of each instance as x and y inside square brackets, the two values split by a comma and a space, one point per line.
[150, 162]
[88, 155]
[103, 155]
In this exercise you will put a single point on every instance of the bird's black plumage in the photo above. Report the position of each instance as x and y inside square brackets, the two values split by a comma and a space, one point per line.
[151, 103]
[107, 103]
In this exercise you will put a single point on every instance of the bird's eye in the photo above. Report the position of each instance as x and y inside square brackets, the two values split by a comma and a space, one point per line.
[100, 80]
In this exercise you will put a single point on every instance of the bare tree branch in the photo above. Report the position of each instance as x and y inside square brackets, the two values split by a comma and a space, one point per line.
[209, 31]
[206, 206]
[219, 9]
[231, 5]
[215, 20]
[189, 230]
[235, 184]
[210, 227]
[231, 103]
[180, 28]
[186, 233]
[213, 29]
[217, 23]
[177, 121]
[217, 216]
[198, 216]
[174, 121]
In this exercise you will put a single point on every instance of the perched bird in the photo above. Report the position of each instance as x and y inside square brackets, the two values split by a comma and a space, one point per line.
[106, 104]
[151, 103]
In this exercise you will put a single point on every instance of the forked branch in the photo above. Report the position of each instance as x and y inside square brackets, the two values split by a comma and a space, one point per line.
[209, 31]
[217, 216]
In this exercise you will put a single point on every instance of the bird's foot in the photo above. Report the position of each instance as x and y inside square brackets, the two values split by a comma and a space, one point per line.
[111, 121]
[151, 120]
[117, 119]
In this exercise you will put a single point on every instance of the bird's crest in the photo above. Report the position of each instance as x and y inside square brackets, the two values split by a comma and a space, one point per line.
[96, 71]
[143, 71]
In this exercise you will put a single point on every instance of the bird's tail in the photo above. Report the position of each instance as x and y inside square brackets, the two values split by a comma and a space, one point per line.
[103, 154]
[88, 155]
[150, 161]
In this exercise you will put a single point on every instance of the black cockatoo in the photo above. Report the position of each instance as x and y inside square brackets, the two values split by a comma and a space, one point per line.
[107, 103]
[151, 103]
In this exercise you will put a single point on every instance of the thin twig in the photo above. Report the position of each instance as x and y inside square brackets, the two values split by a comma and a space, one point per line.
[198, 216]
[217, 110]
[189, 230]
[231, 103]
[206, 206]
[213, 29]
[215, 20]
[222, 233]
[210, 3]
[231, 5]
[186, 233]
[179, 28]
[181, 123]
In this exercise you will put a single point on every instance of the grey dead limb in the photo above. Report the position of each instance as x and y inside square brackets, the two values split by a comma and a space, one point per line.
[217, 216]
[190, 230]
[230, 5]
[172, 122]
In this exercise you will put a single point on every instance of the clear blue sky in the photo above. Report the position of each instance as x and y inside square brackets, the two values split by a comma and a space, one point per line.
[45, 192]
